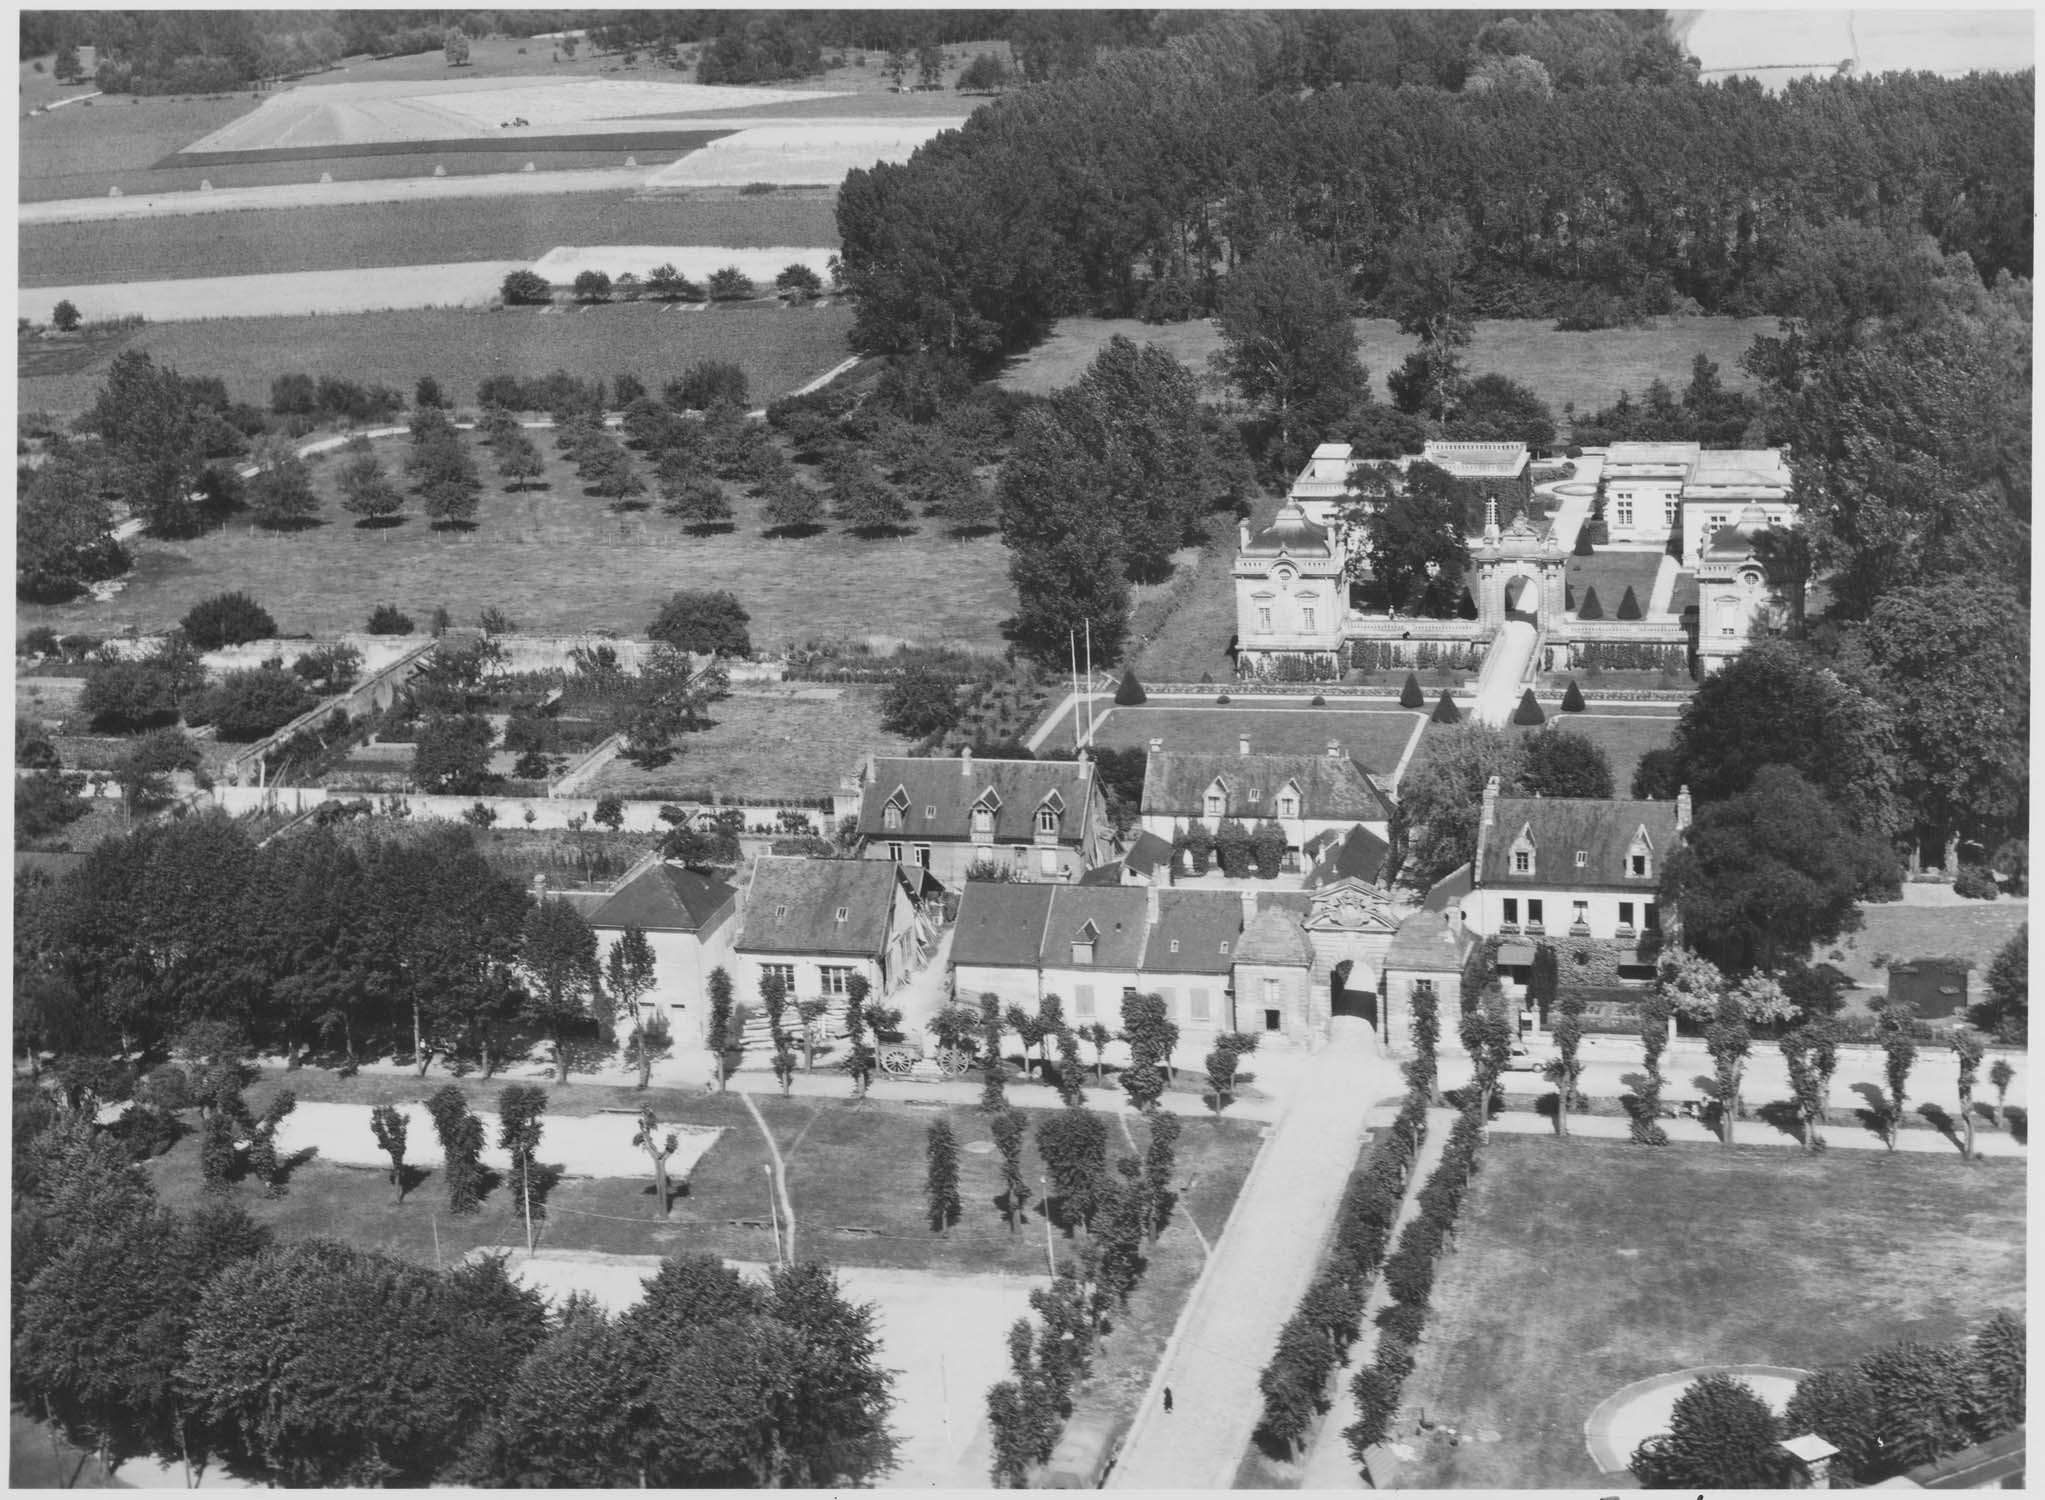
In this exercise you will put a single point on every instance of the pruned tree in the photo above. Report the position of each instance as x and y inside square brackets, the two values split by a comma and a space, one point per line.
[658, 1149]
[1221, 1078]
[1899, 1055]
[629, 975]
[941, 1175]
[1009, 1128]
[1565, 1069]
[461, 1147]
[2001, 1075]
[1968, 1051]
[717, 1034]
[1729, 1042]
[389, 1125]
[519, 1125]
[1073, 1144]
[1097, 1036]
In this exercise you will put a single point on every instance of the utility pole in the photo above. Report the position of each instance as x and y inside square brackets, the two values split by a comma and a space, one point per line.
[1050, 1249]
[526, 1177]
[772, 1212]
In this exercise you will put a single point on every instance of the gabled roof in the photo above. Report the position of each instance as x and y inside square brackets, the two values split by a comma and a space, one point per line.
[1205, 925]
[1274, 936]
[1119, 915]
[1604, 829]
[1148, 852]
[938, 797]
[664, 898]
[1175, 785]
[1429, 943]
[1358, 854]
[1449, 891]
[792, 906]
[1001, 925]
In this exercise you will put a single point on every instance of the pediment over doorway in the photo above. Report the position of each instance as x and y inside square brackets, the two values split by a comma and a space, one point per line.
[1351, 905]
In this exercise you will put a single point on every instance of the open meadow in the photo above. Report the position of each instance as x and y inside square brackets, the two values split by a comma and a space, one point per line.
[1590, 369]
[779, 348]
[82, 149]
[1582, 1265]
[768, 744]
[404, 234]
[558, 560]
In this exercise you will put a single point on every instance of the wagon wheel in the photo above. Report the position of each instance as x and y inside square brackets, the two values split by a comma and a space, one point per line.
[897, 1060]
[952, 1062]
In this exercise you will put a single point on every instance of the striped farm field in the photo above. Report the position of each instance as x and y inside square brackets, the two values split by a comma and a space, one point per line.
[403, 234]
[779, 349]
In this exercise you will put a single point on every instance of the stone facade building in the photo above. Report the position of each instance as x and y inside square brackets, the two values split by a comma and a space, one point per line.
[1039, 820]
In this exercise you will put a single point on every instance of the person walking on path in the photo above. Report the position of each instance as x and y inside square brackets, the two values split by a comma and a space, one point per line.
[1168, 1400]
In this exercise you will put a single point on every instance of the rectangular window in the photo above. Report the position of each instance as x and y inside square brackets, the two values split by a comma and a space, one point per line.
[923, 855]
[1083, 1001]
[1256, 795]
[891, 817]
[1216, 807]
[1082, 953]
[1273, 1021]
[1270, 992]
[784, 972]
[983, 821]
[1171, 1000]
[1583, 858]
[1626, 914]
[1307, 616]
[1533, 913]
[1640, 864]
[1512, 911]
[1580, 914]
[895, 853]
[1199, 1013]
[833, 979]
[1669, 511]
[1047, 862]
[1424, 987]
[1522, 862]
[1623, 512]
[1263, 618]
[1651, 917]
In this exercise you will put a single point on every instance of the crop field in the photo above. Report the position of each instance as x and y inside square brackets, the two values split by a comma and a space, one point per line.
[813, 152]
[82, 149]
[762, 746]
[560, 561]
[779, 349]
[1653, 1261]
[472, 283]
[1587, 368]
[403, 234]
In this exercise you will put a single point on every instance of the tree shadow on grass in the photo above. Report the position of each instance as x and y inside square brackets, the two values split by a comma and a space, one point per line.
[291, 527]
[2019, 1119]
[882, 533]
[794, 533]
[456, 528]
[710, 528]
[1783, 1116]
[973, 531]
[380, 523]
[624, 507]
[1875, 1114]
[1942, 1122]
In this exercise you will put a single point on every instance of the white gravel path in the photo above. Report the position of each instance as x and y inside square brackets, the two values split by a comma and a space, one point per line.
[581, 1145]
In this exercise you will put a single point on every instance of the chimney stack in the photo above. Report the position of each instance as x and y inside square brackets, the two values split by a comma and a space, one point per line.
[1242, 536]
[1334, 749]
[1153, 905]
[1682, 808]
[1489, 817]
[1243, 745]
[966, 761]
[872, 768]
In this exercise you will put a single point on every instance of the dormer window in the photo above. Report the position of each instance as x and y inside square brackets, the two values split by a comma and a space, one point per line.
[891, 816]
[781, 913]
[983, 820]
[1523, 852]
[1288, 801]
[1175, 945]
[1083, 943]
[843, 913]
[1582, 858]
[1639, 864]
[1047, 821]
[1640, 855]
[1256, 795]
[929, 812]
[1224, 947]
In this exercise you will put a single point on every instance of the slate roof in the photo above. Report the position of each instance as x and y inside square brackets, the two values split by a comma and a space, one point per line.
[792, 906]
[1450, 890]
[1147, 853]
[1119, 914]
[1274, 936]
[665, 898]
[1206, 926]
[940, 796]
[1002, 925]
[1358, 854]
[1290, 531]
[1602, 829]
[1426, 942]
[1175, 783]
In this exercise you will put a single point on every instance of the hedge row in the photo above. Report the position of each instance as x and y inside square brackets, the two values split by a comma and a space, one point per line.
[1316, 1338]
[1409, 1276]
[874, 675]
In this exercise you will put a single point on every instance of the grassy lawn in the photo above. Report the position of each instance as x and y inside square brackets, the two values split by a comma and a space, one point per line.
[1973, 931]
[1584, 1265]
[766, 745]
[1611, 574]
[1375, 738]
[779, 349]
[405, 234]
[1587, 368]
[1180, 630]
[855, 1178]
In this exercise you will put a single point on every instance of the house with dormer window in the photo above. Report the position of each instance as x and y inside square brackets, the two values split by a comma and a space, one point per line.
[819, 922]
[1038, 820]
[1580, 875]
[1307, 796]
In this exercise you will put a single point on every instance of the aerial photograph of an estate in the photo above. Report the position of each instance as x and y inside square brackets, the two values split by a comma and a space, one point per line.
[986, 749]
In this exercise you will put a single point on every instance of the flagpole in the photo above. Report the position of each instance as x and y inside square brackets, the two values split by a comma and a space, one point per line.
[1072, 642]
[1089, 683]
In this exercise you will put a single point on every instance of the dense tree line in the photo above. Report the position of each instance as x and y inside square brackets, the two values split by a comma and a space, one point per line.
[1142, 183]
[194, 1338]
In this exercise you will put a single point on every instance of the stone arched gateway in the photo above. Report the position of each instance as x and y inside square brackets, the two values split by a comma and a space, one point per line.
[1519, 552]
[1350, 924]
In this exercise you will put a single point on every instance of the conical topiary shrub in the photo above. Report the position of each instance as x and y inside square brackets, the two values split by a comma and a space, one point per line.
[1466, 607]
[1130, 693]
[1572, 700]
[1583, 547]
[1629, 607]
[1410, 695]
[1569, 596]
[1590, 609]
[1529, 712]
[1445, 710]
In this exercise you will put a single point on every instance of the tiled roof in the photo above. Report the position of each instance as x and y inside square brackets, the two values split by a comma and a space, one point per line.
[1358, 854]
[1204, 926]
[1148, 852]
[792, 905]
[1427, 942]
[664, 898]
[1002, 925]
[1290, 531]
[938, 797]
[1175, 783]
[1119, 917]
[1561, 826]
[1274, 936]
[1450, 890]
